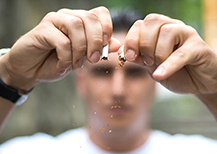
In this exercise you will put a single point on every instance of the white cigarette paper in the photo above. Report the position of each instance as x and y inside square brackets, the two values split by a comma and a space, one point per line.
[122, 55]
[105, 51]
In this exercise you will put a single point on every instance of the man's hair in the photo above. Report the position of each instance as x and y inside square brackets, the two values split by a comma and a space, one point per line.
[123, 19]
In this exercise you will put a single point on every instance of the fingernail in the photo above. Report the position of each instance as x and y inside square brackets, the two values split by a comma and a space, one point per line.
[159, 71]
[130, 55]
[80, 62]
[148, 60]
[62, 72]
[105, 39]
[95, 57]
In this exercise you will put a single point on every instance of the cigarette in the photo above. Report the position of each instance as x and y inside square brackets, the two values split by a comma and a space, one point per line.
[122, 57]
[105, 51]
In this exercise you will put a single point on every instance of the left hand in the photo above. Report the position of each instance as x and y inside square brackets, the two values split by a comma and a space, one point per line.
[59, 44]
[173, 53]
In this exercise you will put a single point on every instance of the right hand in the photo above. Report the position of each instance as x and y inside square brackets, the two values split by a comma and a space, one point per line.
[59, 44]
[174, 54]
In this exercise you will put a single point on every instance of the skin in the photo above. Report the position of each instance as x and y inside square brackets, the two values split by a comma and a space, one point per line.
[117, 100]
[172, 53]
[175, 55]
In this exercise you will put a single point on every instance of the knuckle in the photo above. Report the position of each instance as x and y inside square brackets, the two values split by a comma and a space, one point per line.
[180, 22]
[92, 15]
[80, 48]
[50, 15]
[103, 9]
[167, 28]
[191, 30]
[76, 22]
[181, 54]
[64, 43]
[97, 40]
[107, 28]
[138, 23]
[43, 26]
[152, 17]
[63, 10]
[145, 44]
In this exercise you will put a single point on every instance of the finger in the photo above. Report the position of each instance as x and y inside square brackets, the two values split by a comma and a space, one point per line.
[131, 44]
[138, 59]
[78, 39]
[106, 22]
[51, 37]
[168, 40]
[93, 32]
[177, 60]
[64, 23]
[149, 35]
[187, 52]
[114, 45]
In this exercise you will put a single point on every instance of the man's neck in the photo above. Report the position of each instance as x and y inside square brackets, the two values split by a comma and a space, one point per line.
[119, 140]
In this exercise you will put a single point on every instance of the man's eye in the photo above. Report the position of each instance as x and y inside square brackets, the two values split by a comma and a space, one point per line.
[102, 71]
[136, 72]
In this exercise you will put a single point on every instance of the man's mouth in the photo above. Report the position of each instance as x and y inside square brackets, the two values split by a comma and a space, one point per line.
[118, 109]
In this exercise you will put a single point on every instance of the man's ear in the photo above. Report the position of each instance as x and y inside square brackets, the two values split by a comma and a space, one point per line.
[80, 82]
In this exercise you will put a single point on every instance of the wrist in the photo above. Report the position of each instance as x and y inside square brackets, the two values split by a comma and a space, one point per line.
[14, 80]
[15, 96]
[22, 85]
[14, 88]
[210, 100]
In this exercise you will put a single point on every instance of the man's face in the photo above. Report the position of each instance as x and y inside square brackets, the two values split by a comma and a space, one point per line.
[116, 97]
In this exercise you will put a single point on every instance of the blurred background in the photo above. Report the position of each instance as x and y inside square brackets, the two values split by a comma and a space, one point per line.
[54, 107]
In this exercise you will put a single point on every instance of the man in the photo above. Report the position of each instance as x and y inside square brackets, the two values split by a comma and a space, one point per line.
[117, 100]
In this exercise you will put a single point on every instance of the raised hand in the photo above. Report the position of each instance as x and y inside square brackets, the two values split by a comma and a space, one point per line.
[174, 54]
[61, 42]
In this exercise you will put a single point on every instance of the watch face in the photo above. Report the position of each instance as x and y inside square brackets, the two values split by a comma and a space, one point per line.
[21, 100]
[4, 51]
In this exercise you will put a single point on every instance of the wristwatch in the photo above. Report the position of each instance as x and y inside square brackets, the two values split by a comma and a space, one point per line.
[4, 51]
[15, 96]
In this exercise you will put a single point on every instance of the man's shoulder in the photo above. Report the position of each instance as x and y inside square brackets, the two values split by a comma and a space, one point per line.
[183, 143]
[76, 135]
[40, 141]
[160, 135]
[27, 143]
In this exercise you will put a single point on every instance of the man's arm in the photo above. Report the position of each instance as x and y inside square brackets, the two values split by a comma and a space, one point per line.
[59, 44]
[210, 100]
[6, 108]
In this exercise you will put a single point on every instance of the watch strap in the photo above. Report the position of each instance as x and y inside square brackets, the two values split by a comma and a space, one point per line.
[12, 94]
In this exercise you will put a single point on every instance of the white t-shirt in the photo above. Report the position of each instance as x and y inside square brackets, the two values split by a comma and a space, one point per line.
[76, 141]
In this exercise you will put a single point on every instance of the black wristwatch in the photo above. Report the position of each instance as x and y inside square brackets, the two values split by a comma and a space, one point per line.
[15, 96]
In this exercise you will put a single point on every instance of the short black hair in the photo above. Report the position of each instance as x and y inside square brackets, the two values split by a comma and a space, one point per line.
[124, 18]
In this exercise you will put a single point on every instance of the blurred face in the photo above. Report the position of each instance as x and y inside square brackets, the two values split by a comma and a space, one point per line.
[116, 97]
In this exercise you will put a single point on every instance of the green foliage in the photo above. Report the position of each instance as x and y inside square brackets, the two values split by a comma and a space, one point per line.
[188, 11]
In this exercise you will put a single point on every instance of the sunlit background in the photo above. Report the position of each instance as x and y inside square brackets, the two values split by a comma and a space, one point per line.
[54, 107]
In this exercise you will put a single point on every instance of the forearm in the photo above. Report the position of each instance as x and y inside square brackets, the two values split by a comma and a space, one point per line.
[7, 99]
[6, 108]
[210, 100]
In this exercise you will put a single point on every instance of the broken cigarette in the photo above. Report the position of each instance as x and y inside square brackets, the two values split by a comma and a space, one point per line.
[105, 51]
[121, 59]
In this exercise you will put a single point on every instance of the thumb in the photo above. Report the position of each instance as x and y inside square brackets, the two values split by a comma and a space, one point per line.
[114, 45]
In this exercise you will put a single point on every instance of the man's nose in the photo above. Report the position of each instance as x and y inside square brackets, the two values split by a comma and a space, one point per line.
[118, 82]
